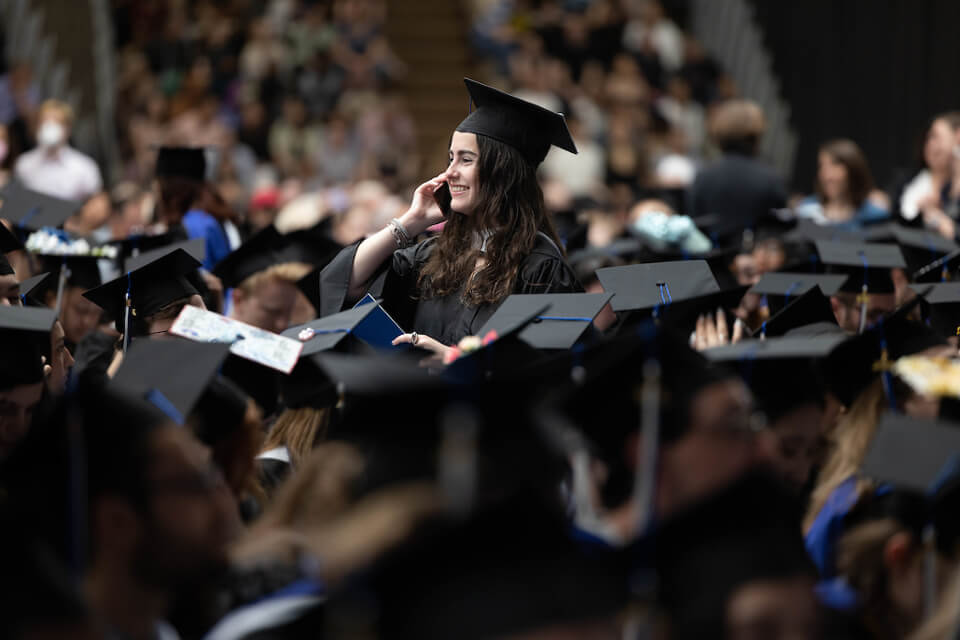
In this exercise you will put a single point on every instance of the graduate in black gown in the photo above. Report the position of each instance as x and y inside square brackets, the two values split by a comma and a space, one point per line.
[497, 238]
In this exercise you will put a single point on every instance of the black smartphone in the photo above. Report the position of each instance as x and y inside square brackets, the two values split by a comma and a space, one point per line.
[443, 198]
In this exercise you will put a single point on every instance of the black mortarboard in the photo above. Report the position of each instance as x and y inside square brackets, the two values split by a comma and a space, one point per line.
[312, 246]
[853, 364]
[307, 386]
[940, 270]
[256, 380]
[866, 264]
[345, 331]
[781, 286]
[137, 244]
[24, 338]
[747, 532]
[647, 286]
[170, 373]
[220, 411]
[682, 315]
[920, 246]
[32, 289]
[182, 162]
[941, 307]
[196, 247]
[8, 240]
[912, 453]
[32, 210]
[808, 231]
[810, 308]
[559, 327]
[83, 272]
[261, 251]
[529, 128]
[150, 287]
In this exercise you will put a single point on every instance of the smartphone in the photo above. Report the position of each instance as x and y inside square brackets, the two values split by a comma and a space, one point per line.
[443, 198]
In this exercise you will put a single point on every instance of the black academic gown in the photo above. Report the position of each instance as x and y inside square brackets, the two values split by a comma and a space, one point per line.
[446, 318]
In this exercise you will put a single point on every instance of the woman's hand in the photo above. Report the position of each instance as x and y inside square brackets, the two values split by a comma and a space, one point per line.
[936, 220]
[424, 211]
[710, 333]
[437, 349]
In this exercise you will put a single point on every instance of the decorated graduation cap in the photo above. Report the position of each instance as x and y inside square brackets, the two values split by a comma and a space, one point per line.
[810, 308]
[171, 374]
[561, 326]
[641, 287]
[24, 338]
[527, 127]
[867, 265]
[367, 326]
[182, 162]
[147, 289]
[28, 209]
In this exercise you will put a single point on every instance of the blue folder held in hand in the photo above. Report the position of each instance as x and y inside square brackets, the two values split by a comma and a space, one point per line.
[377, 329]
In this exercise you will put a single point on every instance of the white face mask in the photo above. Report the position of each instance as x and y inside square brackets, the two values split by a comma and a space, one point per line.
[50, 134]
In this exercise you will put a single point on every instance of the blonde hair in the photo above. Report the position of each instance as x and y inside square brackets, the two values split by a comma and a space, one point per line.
[860, 560]
[59, 106]
[285, 271]
[849, 442]
[298, 430]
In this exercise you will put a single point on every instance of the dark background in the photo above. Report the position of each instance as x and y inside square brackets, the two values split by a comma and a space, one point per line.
[871, 70]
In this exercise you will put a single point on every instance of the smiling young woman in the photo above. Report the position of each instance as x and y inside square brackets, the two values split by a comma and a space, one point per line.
[497, 238]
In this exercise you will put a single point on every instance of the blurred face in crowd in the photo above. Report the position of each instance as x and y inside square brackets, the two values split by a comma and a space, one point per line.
[938, 148]
[60, 360]
[847, 311]
[462, 172]
[718, 446]
[9, 291]
[53, 127]
[797, 444]
[16, 411]
[268, 305]
[190, 514]
[783, 609]
[832, 176]
[79, 316]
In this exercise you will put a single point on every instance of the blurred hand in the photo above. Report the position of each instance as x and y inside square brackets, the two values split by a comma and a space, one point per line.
[437, 349]
[712, 331]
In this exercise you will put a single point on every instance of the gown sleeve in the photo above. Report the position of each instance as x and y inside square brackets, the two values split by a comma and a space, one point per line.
[546, 272]
[394, 281]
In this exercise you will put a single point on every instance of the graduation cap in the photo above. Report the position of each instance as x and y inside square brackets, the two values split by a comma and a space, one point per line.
[642, 287]
[527, 127]
[28, 209]
[920, 247]
[258, 381]
[170, 373]
[811, 232]
[32, 289]
[810, 308]
[312, 246]
[8, 240]
[766, 364]
[182, 162]
[307, 386]
[941, 306]
[682, 315]
[856, 362]
[364, 327]
[149, 288]
[82, 272]
[781, 286]
[940, 270]
[868, 265]
[24, 338]
[196, 247]
[261, 251]
[559, 327]
[139, 243]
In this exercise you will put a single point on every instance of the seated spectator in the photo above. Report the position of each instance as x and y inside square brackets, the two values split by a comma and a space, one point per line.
[739, 188]
[925, 189]
[844, 189]
[54, 167]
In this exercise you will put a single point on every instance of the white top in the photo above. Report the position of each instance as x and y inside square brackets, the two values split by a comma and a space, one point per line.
[63, 173]
[279, 453]
[917, 189]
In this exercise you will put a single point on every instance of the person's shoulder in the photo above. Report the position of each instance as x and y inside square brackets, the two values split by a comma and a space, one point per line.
[544, 247]
[27, 158]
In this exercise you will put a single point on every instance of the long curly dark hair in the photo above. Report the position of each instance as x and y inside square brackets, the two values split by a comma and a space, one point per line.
[510, 206]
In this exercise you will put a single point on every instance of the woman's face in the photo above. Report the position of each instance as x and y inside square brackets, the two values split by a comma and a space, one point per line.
[462, 172]
[938, 149]
[832, 176]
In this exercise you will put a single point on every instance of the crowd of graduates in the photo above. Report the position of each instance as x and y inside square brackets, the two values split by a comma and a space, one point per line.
[601, 377]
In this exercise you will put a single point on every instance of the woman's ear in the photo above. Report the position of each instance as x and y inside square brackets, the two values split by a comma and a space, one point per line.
[897, 552]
